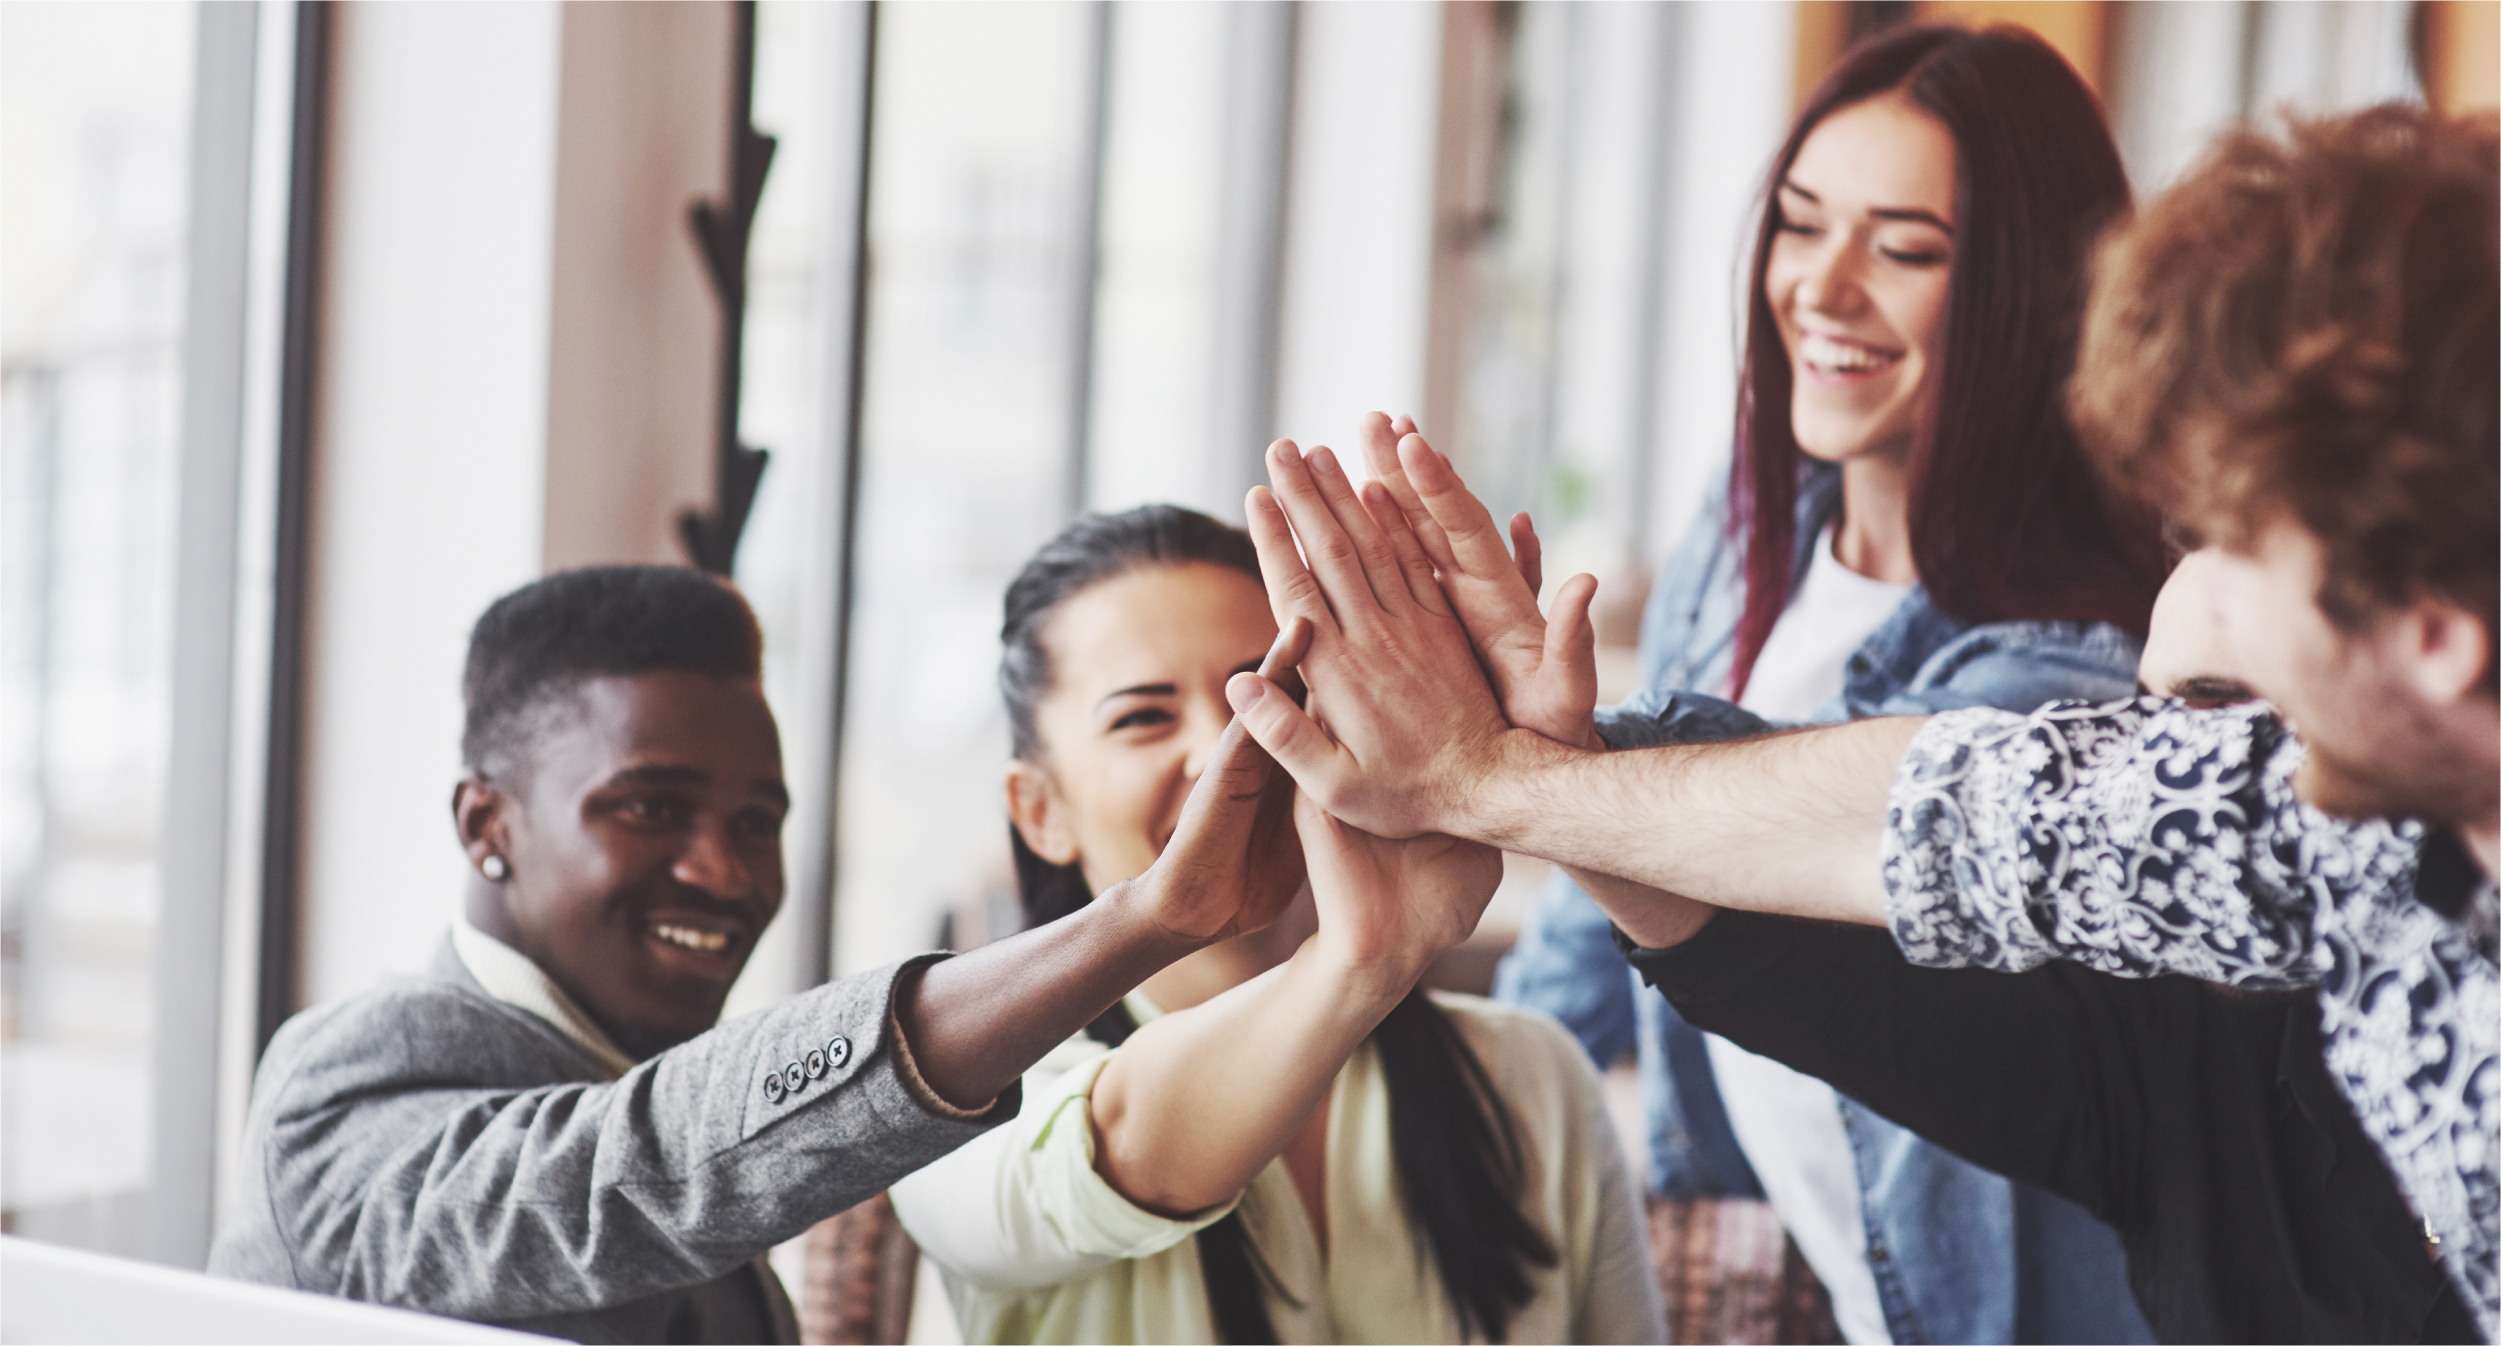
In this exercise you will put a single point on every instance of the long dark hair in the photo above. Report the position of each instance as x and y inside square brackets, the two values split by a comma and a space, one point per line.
[2008, 519]
[1461, 1168]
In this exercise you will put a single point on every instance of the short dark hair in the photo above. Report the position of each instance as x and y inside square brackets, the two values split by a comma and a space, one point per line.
[544, 638]
[2311, 320]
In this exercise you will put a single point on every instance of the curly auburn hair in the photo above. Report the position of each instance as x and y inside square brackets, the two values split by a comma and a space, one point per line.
[2312, 323]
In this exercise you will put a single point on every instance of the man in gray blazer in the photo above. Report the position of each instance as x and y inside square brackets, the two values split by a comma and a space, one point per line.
[547, 1130]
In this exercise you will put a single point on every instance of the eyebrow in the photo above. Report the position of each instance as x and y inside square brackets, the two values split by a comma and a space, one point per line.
[1165, 688]
[1911, 213]
[1142, 689]
[694, 777]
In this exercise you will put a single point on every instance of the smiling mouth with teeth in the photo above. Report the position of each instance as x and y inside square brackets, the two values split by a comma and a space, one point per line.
[687, 936]
[1826, 356]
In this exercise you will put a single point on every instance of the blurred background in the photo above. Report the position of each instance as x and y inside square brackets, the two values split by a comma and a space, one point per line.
[325, 324]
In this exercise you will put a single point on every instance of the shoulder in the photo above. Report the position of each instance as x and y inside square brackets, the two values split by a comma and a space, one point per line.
[2016, 665]
[415, 1029]
[2243, 743]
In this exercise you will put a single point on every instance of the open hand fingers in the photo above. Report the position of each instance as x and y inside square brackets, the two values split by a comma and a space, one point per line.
[1381, 437]
[1423, 584]
[1376, 559]
[1476, 549]
[1528, 551]
[1238, 762]
[1239, 765]
[1289, 734]
[1328, 552]
[1292, 591]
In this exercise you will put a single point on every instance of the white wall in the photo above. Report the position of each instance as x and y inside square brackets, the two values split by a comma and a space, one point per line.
[429, 469]
[1734, 66]
[1359, 216]
[516, 372]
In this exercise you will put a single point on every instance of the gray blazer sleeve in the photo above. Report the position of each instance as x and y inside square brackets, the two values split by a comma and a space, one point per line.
[406, 1147]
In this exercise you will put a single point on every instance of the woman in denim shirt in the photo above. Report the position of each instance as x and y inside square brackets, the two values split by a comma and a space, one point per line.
[1903, 470]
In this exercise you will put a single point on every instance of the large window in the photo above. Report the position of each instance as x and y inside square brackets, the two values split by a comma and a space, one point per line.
[97, 124]
[979, 222]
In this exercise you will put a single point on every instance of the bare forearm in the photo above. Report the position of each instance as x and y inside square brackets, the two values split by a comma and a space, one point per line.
[1651, 918]
[1189, 1109]
[1788, 823]
[979, 1020]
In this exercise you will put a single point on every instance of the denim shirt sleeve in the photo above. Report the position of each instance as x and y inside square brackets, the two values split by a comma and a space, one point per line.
[2016, 666]
[1566, 964]
[1689, 622]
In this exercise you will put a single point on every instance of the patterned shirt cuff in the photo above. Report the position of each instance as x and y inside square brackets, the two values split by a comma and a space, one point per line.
[1950, 855]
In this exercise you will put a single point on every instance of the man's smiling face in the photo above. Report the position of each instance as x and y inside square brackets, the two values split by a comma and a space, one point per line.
[644, 843]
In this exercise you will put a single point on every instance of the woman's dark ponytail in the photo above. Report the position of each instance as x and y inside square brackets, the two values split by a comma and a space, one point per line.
[1461, 1170]
[1458, 1154]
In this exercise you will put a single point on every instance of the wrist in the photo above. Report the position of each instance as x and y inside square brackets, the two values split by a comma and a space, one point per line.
[1364, 983]
[1501, 795]
[1133, 915]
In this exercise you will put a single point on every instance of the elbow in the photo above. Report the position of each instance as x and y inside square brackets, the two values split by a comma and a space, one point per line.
[1152, 1182]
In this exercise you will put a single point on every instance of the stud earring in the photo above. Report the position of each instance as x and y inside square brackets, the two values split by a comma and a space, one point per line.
[494, 868]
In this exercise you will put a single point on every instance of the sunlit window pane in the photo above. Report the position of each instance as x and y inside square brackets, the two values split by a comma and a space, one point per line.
[97, 123]
[977, 213]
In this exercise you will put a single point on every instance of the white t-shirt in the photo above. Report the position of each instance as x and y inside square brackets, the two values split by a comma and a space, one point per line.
[1790, 1124]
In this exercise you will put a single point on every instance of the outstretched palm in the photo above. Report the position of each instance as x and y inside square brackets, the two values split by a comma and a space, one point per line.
[1544, 673]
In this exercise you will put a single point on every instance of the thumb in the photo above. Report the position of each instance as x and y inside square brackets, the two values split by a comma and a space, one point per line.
[1291, 737]
[1572, 640]
[1569, 635]
[1528, 551]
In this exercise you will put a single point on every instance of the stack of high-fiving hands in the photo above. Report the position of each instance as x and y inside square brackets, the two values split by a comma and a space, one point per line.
[1417, 689]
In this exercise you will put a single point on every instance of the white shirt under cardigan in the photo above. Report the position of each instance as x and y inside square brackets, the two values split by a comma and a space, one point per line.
[1035, 1246]
[1788, 1124]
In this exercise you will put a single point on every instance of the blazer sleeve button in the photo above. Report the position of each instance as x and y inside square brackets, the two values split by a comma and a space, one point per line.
[838, 1051]
[794, 1077]
[773, 1090]
[817, 1065]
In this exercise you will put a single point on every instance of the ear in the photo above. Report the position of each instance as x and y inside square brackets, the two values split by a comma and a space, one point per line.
[2448, 651]
[1033, 805]
[478, 810]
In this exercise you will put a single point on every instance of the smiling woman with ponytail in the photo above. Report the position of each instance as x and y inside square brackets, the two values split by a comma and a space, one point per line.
[1281, 1138]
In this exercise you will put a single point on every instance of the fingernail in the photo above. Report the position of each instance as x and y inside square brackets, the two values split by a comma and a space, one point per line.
[1322, 460]
[1244, 691]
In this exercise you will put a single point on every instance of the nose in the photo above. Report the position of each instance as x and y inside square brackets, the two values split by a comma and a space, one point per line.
[1199, 738]
[1828, 277]
[710, 862]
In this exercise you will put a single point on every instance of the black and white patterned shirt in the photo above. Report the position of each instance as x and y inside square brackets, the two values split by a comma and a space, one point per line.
[2143, 838]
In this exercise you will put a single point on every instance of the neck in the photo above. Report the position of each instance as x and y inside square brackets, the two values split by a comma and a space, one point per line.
[1873, 538]
[2483, 841]
[485, 909]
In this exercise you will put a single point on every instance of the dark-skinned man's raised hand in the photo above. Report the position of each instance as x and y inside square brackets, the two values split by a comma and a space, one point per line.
[978, 1020]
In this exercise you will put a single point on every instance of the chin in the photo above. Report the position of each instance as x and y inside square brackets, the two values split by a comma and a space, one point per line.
[668, 1026]
[1839, 443]
[2341, 787]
